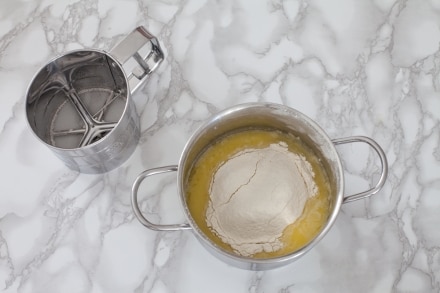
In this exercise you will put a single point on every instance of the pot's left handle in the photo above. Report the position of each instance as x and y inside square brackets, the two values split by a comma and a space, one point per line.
[135, 204]
[132, 46]
[383, 162]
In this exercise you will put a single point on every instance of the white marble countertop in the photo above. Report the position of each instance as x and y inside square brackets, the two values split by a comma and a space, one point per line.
[357, 67]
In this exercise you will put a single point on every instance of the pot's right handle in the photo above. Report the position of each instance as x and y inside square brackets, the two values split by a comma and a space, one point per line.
[135, 204]
[383, 162]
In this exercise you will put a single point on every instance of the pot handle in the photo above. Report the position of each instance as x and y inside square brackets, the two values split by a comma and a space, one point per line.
[383, 162]
[135, 204]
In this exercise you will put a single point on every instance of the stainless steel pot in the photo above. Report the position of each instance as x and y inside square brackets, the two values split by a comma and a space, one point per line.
[262, 115]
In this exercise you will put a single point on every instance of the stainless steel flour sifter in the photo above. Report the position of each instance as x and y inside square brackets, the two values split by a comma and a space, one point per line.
[80, 104]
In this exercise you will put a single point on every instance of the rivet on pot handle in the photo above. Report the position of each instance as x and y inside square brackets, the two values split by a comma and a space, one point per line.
[135, 204]
[129, 47]
[383, 161]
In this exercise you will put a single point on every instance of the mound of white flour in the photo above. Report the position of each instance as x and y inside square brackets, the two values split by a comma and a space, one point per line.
[256, 194]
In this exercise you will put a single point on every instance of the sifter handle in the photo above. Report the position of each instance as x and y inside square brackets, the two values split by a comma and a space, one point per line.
[145, 62]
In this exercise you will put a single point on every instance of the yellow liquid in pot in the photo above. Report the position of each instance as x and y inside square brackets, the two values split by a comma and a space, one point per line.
[297, 234]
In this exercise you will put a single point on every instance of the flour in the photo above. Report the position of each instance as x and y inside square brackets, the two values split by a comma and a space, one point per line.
[256, 194]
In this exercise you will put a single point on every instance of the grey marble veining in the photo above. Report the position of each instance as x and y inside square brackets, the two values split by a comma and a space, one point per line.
[357, 67]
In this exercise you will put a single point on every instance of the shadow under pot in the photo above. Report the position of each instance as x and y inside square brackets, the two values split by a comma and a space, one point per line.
[260, 185]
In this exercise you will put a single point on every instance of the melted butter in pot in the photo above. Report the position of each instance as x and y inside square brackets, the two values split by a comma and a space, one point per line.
[293, 235]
